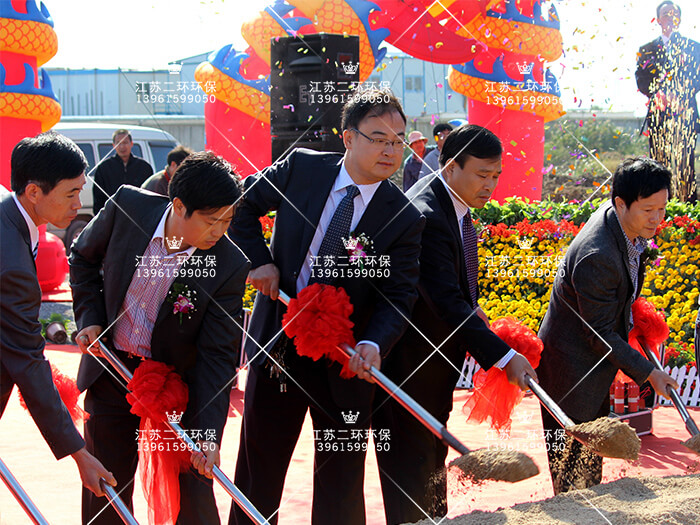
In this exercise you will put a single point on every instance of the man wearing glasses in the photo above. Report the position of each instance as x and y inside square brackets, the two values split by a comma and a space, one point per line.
[322, 199]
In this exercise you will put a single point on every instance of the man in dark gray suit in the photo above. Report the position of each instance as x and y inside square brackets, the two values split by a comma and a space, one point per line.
[47, 174]
[586, 327]
[446, 323]
[153, 249]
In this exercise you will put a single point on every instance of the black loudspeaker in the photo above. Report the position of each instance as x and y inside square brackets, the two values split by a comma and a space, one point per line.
[311, 78]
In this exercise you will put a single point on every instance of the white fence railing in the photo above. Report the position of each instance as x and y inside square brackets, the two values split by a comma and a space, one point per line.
[687, 379]
[689, 386]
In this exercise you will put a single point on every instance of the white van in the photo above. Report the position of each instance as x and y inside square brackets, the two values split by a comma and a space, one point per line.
[95, 140]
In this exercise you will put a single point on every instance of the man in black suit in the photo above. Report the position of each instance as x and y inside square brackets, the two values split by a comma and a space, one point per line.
[321, 199]
[668, 72]
[151, 249]
[47, 174]
[586, 327]
[446, 323]
[119, 169]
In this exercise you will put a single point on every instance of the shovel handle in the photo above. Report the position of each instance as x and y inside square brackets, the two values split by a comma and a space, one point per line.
[406, 401]
[238, 497]
[21, 496]
[119, 507]
[675, 398]
[548, 403]
[410, 404]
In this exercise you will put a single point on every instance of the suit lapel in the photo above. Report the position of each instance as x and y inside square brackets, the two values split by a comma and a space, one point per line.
[135, 246]
[190, 283]
[445, 202]
[312, 208]
[619, 236]
[378, 214]
[16, 218]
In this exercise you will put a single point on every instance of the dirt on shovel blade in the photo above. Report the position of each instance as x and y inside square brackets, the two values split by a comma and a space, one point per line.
[693, 444]
[607, 437]
[498, 465]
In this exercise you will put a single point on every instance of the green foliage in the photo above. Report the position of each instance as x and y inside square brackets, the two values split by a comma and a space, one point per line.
[679, 355]
[516, 209]
[676, 208]
[53, 318]
[581, 155]
[567, 140]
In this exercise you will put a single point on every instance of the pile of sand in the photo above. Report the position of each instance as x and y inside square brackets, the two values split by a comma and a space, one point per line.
[609, 438]
[674, 500]
[499, 465]
[693, 444]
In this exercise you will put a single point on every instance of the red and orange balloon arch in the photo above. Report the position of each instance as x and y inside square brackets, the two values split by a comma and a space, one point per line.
[497, 50]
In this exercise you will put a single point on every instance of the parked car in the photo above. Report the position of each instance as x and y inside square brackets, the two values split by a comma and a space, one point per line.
[95, 140]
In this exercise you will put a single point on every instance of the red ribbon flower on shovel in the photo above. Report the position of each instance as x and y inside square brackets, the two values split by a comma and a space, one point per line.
[494, 397]
[318, 320]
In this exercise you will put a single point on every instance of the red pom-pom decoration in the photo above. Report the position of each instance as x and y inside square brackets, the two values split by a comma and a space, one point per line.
[494, 397]
[649, 324]
[69, 393]
[156, 391]
[318, 320]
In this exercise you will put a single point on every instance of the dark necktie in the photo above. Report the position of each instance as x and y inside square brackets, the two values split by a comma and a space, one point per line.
[35, 251]
[332, 245]
[471, 256]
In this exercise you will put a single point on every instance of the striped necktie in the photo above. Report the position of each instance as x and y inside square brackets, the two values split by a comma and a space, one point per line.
[35, 251]
[471, 256]
[338, 228]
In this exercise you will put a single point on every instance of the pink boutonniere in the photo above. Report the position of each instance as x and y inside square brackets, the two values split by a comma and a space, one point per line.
[182, 299]
[358, 247]
[653, 254]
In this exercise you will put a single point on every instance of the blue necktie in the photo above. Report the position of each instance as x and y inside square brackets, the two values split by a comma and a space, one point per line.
[471, 256]
[35, 251]
[339, 228]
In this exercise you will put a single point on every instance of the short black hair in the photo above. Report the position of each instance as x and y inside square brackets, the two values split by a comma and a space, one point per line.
[667, 2]
[45, 160]
[442, 126]
[638, 178]
[378, 102]
[470, 140]
[121, 131]
[204, 182]
[178, 154]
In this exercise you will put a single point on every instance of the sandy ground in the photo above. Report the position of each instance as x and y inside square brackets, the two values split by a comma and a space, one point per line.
[55, 486]
[628, 501]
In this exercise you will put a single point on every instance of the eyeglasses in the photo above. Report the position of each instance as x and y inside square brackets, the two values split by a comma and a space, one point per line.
[396, 145]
